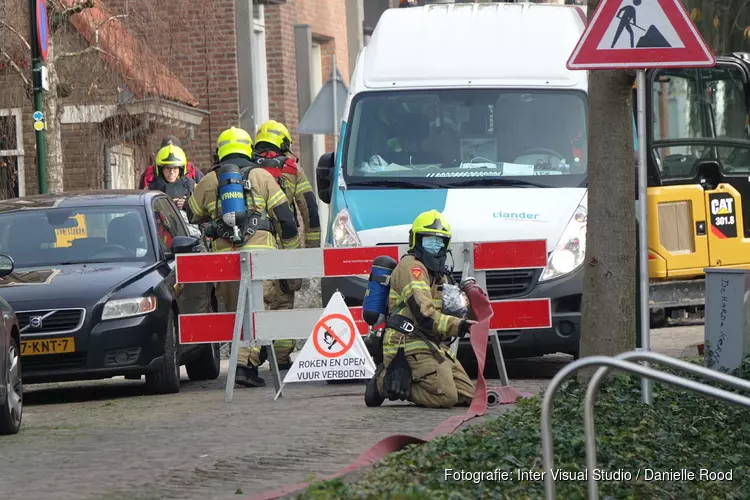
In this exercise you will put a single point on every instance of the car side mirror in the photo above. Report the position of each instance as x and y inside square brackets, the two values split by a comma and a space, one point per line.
[6, 265]
[184, 244]
[324, 176]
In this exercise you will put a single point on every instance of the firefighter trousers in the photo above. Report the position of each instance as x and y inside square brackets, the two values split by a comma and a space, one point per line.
[227, 293]
[435, 384]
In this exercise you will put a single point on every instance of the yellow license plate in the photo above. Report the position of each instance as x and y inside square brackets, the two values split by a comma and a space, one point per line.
[38, 347]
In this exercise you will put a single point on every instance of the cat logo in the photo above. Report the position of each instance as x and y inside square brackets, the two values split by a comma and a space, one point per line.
[722, 206]
[723, 219]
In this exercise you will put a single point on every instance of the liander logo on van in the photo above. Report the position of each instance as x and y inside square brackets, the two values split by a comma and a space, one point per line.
[723, 219]
[515, 216]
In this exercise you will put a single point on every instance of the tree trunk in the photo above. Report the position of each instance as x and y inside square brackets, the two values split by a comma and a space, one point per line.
[609, 270]
[53, 134]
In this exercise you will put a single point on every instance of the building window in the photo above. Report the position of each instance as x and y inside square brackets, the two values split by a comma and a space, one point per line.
[260, 67]
[11, 154]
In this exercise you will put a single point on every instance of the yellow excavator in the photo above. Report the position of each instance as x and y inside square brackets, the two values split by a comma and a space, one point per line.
[698, 140]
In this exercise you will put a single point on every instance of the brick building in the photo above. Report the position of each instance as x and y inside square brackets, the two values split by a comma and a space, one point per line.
[182, 67]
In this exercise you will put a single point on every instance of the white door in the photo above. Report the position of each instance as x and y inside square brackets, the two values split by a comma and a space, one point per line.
[123, 167]
[319, 140]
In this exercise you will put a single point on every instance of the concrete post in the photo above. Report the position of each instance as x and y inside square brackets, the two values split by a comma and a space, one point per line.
[355, 19]
[727, 337]
[243, 21]
[303, 53]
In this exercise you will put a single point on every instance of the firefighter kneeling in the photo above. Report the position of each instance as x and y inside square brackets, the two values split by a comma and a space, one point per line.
[416, 365]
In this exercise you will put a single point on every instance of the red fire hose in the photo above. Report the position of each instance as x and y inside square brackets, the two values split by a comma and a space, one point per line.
[479, 337]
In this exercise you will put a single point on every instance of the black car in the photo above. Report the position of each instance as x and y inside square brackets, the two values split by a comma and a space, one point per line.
[11, 384]
[94, 288]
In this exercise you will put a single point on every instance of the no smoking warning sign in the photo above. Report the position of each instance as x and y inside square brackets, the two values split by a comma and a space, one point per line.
[335, 350]
[334, 335]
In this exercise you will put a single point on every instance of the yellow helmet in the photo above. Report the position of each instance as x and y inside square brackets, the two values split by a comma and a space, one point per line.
[274, 133]
[431, 223]
[171, 156]
[234, 140]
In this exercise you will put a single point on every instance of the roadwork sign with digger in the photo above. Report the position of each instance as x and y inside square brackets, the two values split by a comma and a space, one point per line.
[335, 349]
[640, 34]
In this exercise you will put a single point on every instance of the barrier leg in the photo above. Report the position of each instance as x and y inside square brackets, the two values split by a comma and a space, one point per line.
[502, 372]
[274, 369]
[239, 320]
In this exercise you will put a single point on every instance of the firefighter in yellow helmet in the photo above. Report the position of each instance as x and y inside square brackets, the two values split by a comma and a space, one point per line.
[272, 142]
[417, 324]
[171, 175]
[274, 219]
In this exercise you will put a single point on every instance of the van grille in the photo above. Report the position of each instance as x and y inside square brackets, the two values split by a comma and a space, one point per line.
[510, 283]
[676, 226]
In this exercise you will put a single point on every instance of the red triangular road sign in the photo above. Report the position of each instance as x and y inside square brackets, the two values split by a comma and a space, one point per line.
[640, 34]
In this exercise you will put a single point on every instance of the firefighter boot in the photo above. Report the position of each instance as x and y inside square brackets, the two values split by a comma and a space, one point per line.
[247, 375]
[372, 395]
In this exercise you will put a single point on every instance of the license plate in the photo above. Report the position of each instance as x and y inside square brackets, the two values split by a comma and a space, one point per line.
[37, 347]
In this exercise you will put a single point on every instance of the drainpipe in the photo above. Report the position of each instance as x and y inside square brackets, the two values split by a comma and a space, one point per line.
[107, 146]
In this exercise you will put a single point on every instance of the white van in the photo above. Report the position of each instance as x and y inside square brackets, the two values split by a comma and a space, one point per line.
[469, 109]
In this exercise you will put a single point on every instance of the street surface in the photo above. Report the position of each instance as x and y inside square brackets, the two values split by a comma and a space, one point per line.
[106, 440]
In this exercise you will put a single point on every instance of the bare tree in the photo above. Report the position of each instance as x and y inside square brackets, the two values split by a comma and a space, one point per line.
[609, 271]
[60, 12]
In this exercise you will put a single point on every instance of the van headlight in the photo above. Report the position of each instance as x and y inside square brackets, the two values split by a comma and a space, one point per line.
[125, 308]
[570, 251]
[344, 234]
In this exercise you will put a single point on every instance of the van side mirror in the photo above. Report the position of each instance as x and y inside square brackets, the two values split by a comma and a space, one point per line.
[324, 176]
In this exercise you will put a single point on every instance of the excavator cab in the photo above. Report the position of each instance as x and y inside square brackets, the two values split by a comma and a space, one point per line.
[698, 140]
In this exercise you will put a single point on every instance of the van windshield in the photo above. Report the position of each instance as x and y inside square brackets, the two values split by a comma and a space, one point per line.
[467, 138]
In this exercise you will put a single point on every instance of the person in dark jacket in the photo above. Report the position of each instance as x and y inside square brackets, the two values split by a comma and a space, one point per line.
[151, 172]
[172, 179]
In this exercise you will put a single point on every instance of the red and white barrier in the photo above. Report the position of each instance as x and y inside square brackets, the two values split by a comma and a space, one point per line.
[266, 326]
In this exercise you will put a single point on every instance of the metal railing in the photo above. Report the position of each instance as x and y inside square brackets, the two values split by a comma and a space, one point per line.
[620, 362]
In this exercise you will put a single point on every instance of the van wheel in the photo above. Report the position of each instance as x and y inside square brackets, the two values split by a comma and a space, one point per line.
[167, 379]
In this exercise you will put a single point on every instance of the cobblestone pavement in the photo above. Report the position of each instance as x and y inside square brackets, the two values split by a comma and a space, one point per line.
[106, 440]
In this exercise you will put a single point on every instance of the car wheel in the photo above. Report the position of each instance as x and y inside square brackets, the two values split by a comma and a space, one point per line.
[167, 379]
[208, 364]
[11, 410]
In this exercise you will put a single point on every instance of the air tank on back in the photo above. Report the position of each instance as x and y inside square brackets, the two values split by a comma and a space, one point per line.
[232, 197]
[375, 305]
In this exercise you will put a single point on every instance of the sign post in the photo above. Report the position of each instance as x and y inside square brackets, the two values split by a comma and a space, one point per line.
[39, 41]
[664, 37]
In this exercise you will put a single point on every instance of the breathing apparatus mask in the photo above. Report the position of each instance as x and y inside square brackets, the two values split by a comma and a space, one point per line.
[432, 251]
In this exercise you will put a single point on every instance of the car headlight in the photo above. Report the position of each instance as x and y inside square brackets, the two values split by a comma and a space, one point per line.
[570, 251]
[344, 234]
[125, 308]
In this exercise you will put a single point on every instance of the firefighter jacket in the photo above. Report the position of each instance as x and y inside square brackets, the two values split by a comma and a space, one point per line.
[267, 199]
[414, 297]
[183, 187]
[150, 174]
[298, 190]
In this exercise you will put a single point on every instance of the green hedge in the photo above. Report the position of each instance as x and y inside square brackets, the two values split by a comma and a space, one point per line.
[682, 430]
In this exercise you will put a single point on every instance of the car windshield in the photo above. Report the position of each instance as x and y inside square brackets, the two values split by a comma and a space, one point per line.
[700, 114]
[56, 236]
[467, 138]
